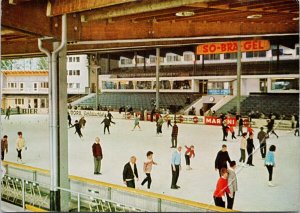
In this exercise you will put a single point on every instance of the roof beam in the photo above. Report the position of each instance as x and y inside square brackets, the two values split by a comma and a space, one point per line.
[28, 17]
[59, 7]
[138, 7]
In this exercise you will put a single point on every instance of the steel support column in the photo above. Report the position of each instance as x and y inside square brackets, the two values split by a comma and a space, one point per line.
[239, 66]
[157, 77]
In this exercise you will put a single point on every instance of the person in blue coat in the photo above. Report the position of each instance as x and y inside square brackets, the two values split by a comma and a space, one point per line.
[270, 163]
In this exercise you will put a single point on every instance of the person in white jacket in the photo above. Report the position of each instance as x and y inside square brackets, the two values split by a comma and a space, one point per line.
[243, 149]
[20, 145]
[232, 184]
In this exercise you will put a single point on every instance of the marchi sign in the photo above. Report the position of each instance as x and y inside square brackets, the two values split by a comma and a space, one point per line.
[232, 47]
[212, 120]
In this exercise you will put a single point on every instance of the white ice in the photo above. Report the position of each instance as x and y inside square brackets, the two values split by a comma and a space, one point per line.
[198, 184]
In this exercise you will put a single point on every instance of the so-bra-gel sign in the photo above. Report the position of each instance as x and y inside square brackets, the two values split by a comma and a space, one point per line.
[232, 47]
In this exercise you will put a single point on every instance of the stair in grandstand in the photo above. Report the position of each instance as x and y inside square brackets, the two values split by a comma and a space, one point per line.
[139, 101]
[230, 106]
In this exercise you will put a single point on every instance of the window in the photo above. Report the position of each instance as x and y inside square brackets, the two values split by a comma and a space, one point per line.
[43, 103]
[143, 84]
[212, 57]
[44, 84]
[172, 58]
[69, 72]
[12, 85]
[297, 50]
[77, 72]
[125, 61]
[230, 56]
[152, 60]
[77, 59]
[70, 59]
[21, 86]
[77, 85]
[35, 86]
[186, 84]
[285, 84]
[19, 101]
[140, 60]
[188, 57]
[256, 54]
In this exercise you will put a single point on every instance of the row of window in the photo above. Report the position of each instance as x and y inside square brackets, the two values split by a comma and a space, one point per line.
[37, 102]
[73, 72]
[74, 59]
[14, 85]
[74, 85]
[190, 57]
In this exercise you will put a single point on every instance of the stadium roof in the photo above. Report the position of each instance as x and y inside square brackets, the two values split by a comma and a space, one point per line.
[111, 25]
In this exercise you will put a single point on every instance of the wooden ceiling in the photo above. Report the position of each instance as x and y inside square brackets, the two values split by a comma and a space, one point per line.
[115, 24]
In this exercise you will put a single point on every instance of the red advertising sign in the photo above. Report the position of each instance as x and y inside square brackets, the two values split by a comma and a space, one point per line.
[212, 120]
[232, 47]
[195, 119]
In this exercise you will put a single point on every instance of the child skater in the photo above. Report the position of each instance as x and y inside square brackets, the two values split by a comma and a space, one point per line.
[136, 122]
[231, 129]
[147, 169]
[188, 154]
[77, 128]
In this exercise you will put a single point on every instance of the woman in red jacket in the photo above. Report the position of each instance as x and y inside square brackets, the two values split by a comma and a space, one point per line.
[222, 187]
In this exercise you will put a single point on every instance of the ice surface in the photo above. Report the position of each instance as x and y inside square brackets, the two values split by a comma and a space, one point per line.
[197, 184]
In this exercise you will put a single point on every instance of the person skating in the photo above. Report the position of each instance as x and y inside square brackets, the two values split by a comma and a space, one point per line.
[106, 122]
[4, 146]
[159, 124]
[109, 115]
[82, 122]
[297, 126]
[147, 169]
[243, 149]
[232, 184]
[175, 167]
[222, 159]
[69, 119]
[250, 148]
[262, 138]
[190, 152]
[98, 156]
[221, 188]
[241, 123]
[168, 121]
[77, 128]
[270, 127]
[224, 126]
[231, 129]
[136, 122]
[20, 145]
[174, 135]
[250, 131]
[7, 113]
[270, 163]
[130, 173]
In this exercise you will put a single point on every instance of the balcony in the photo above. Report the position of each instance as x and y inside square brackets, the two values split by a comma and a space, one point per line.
[24, 91]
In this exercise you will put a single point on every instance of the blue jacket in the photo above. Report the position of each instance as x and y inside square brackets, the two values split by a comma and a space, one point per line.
[270, 160]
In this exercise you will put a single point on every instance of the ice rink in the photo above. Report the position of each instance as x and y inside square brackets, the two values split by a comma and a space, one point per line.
[198, 184]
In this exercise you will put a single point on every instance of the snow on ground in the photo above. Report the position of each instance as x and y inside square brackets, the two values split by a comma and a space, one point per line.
[197, 184]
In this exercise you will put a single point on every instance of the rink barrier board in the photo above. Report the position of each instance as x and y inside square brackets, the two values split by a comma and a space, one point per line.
[34, 209]
[162, 198]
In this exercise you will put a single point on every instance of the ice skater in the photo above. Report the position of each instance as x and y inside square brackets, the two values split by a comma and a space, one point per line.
[243, 149]
[69, 120]
[232, 184]
[159, 124]
[174, 135]
[77, 128]
[98, 156]
[169, 124]
[107, 122]
[221, 188]
[270, 127]
[222, 159]
[136, 122]
[262, 138]
[250, 148]
[130, 173]
[147, 169]
[82, 122]
[176, 167]
[240, 132]
[4, 146]
[250, 131]
[109, 115]
[270, 163]
[190, 152]
[225, 129]
[7, 113]
[297, 126]
[231, 129]
[20, 145]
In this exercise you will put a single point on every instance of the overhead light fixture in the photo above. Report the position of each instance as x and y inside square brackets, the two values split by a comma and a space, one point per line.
[185, 13]
[296, 19]
[254, 16]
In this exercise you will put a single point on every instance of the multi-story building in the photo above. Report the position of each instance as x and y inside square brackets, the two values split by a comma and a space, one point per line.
[29, 88]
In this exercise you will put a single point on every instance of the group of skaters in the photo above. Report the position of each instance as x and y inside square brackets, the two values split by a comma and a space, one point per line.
[20, 146]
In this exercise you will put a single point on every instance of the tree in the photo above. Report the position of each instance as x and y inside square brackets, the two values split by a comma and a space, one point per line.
[42, 64]
[7, 64]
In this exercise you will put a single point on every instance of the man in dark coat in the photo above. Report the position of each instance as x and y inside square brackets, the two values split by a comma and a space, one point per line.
[262, 138]
[77, 128]
[174, 135]
[106, 122]
[222, 159]
[130, 172]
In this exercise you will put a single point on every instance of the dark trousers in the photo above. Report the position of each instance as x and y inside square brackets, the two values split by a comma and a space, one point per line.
[296, 131]
[174, 141]
[106, 127]
[19, 153]
[250, 156]
[270, 170]
[230, 200]
[219, 201]
[240, 130]
[70, 122]
[130, 184]
[169, 123]
[79, 132]
[175, 175]
[187, 159]
[272, 132]
[2, 154]
[158, 129]
[224, 133]
[243, 155]
[147, 179]
[263, 149]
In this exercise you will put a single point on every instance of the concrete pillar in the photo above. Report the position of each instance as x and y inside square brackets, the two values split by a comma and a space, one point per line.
[157, 77]
[239, 66]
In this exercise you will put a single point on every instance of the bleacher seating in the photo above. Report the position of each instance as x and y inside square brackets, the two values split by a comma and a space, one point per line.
[139, 100]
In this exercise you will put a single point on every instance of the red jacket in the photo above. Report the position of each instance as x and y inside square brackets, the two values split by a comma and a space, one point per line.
[249, 130]
[222, 187]
[97, 150]
[189, 151]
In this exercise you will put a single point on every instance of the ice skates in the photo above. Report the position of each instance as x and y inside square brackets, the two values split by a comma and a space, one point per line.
[270, 184]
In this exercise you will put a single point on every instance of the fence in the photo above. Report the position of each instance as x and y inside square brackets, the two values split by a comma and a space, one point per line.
[91, 195]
